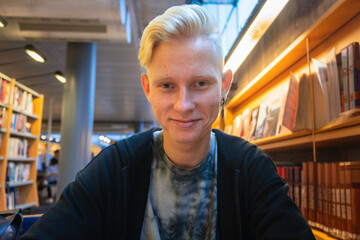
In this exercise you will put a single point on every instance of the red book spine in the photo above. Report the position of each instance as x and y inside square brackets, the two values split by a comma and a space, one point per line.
[327, 197]
[312, 193]
[343, 200]
[319, 200]
[304, 190]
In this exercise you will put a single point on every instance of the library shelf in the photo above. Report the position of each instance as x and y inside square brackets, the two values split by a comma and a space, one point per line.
[2, 130]
[19, 184]
[1, 158]
[26, 191]
[338, 141]
[319, 235]
[23, 135]
[21, 159]
[342, 132]
[3, 105]
[298, 140]
[30, 115]
[25, 205]
[339, 14]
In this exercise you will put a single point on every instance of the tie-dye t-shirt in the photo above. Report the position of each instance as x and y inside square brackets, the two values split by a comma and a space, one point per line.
[181, 202]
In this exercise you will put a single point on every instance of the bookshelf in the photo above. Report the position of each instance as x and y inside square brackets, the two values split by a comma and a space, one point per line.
[336, 28]
[20, 137]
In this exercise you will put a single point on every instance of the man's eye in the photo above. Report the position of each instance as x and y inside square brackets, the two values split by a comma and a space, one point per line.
[166, 85]
[201, 83]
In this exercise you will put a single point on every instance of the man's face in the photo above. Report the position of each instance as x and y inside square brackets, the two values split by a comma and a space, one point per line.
[185, 86]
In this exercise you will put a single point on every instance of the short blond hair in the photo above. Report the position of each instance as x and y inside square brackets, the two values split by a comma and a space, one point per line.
[185, 21]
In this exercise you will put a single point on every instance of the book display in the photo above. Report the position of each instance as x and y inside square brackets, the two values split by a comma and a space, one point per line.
[303, 109]
[20, 125]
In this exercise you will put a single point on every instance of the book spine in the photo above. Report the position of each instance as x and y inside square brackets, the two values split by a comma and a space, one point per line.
[353, 56]
[344, 77]
[341, 87]
[304, 190]
[312, 193]
[319, 200]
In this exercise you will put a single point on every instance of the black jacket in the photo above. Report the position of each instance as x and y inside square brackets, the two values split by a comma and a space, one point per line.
[108, 197]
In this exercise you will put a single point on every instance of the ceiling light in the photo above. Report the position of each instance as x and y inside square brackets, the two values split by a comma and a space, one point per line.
[3, 22]
[32, 52]
[258, 27]
[59, 76]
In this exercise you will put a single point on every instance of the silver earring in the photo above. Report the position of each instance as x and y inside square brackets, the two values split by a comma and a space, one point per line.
[222, 103]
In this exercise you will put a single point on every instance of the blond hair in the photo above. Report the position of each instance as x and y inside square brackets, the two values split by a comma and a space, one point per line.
[185, 21]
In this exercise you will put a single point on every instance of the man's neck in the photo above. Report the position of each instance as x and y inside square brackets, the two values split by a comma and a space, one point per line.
[187, 155]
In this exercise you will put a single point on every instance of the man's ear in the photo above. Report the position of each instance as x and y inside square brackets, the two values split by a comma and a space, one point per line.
[145, 85]
[226, 83]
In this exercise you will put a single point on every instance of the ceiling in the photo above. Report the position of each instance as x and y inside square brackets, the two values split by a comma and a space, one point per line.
[48, 24]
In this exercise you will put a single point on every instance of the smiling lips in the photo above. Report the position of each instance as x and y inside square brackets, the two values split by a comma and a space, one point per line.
[181, 123]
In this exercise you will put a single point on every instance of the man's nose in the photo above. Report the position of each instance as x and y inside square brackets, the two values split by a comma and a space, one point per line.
[184, 101]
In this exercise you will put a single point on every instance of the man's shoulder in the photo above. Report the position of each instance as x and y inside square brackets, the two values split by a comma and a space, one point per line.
[237, 152]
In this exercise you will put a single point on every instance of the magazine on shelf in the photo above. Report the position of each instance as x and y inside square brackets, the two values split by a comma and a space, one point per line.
[287, 117]
[303, 116]
[244, 128]
[271, 126]
[253, 122]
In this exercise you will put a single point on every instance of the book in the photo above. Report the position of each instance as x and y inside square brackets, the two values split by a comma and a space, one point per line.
[291, 103]
[236, 126]
[253, 123]
[304, 190]
[353, 78]
[345, 78]
[333, 85]
[303, 116]
[319, 198]
[261, 118]
[244, 128]
[321, 110]
[272, 125]
[312, 193]
[341, 87]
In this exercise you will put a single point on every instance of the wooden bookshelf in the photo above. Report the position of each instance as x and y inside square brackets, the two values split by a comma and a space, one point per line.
[319, 235]
[26, 190]
[336, 28]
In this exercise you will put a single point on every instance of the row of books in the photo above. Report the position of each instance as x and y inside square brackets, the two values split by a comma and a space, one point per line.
[330, 197]
[350, 76]
[5, 91]
[21, 99]
[12, 197]
[18, 148]
[292, 174]
[336, 84]
[17, 172]
[2, 117]
[19, 123]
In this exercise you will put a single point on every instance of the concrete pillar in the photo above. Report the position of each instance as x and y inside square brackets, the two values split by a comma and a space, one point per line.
[77, 116]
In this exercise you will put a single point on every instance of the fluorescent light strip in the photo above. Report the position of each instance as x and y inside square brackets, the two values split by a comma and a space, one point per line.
[35, 56]
[60, 78]
[258, 27]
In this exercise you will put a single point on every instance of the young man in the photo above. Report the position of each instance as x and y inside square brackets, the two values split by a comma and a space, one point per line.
[184, 181]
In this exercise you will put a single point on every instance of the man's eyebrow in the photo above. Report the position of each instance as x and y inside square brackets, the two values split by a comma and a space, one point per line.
[156, 80]
[208, 76]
